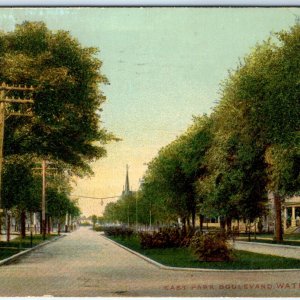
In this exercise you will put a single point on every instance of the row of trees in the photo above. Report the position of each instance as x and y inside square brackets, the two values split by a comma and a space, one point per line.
[65, 127]
[227, 164]
[22, 194]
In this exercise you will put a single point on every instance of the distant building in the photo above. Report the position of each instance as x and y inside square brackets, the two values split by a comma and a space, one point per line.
[126, 187]
[291, 214]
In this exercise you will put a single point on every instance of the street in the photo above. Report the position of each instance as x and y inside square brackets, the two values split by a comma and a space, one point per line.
[85, 264]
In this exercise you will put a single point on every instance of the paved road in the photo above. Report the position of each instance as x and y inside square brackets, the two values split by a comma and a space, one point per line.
[86, 264]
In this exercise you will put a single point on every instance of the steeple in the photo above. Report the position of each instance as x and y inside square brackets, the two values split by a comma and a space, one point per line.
[126, 190]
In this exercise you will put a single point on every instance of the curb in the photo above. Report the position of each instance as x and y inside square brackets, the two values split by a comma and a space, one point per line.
[14, 257]
[164, 267]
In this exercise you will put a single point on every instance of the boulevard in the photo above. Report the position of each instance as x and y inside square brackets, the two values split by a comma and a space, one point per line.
[84, 263]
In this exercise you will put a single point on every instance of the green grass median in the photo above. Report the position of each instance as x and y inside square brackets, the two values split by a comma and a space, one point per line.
[18, 244]
[183, 257]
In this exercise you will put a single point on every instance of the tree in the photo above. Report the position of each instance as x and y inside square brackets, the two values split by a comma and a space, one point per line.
[57, 206]
[22, 188]
[235, 187]
[166, 175]
[152, 207]
[94, 220]
[171, 176]
[110, 212]
[65, 126]
[195, 143]
[123, 211]
[260, 106]
[68, 101]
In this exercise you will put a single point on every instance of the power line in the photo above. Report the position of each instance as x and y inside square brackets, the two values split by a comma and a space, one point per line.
[97, 198]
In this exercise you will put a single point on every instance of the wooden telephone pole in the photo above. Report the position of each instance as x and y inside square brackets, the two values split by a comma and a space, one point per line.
[44, 169]
[5, 98]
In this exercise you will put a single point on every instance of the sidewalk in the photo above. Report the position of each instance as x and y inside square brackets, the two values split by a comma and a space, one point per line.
[272, 249]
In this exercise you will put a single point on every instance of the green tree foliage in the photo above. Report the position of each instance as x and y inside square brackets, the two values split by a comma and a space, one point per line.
[166, 175]
[248, 148]
[110, 212]
[235, 187]
[94, 220]
[58, 203]
[68, 100]
[260, 113]
[122, 211]
[152, 209]
[21, 187]
[171, 176]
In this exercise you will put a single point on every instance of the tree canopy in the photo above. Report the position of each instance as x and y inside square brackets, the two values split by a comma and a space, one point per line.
[67, 101]
[260, 109]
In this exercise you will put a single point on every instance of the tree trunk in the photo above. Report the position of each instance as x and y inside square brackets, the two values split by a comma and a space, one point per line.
[41, 223]
[188, 221]
[222, 223]
[249, 230]
[278, 220]
[201, 218]
[183, 226]
[23, 224]
[0, 223]
[49, 225]
[58, 228]
[228, 224]
[193, 219]
[8, 229]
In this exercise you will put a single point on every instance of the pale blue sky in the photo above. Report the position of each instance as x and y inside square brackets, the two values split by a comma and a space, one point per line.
[164, 65]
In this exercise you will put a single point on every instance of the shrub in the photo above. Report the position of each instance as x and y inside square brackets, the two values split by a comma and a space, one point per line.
[211, 247]
[98, 228]
[85, 223]
[186, 238]
[164, 238]
[116, 231]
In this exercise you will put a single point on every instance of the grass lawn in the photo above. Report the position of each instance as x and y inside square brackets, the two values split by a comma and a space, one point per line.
[19, 244]
[182, 257]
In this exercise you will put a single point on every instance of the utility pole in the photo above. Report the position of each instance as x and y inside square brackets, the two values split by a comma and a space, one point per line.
[5, 89]
[136, 215]
[150, 212]
[44, 198]
[2, 120]
[44, 169]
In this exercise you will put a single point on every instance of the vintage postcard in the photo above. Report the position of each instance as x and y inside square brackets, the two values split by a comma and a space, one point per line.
[149, 151]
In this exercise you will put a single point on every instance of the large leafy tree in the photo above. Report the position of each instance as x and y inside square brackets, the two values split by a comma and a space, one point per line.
[21, 188]
[194, 144]
[59, 204]
[166, 173]
[152, 208]
[260, 106]
[171, 176]
[235, 186]
[66, 123]
[124, 210]
[20, 185]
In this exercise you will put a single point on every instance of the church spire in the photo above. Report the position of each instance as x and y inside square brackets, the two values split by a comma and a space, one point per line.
[127, 188]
